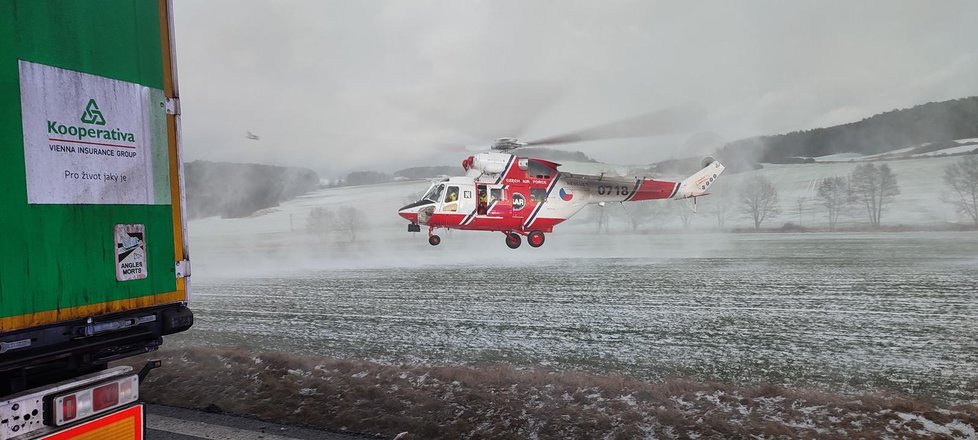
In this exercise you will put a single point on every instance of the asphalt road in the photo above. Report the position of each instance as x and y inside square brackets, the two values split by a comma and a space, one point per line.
[170, 423]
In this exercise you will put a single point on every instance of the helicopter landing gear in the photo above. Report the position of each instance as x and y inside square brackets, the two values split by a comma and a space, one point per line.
[535, 239]
[513, 240]
[433, 239]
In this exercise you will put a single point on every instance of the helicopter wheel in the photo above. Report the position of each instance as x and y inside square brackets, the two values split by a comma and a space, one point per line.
[434, 240]
[535, 239]
[513, 240]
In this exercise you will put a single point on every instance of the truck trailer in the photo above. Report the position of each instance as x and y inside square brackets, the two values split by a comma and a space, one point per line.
[94, 265]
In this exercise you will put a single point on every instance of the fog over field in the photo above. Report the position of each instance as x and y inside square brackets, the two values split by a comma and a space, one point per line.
[276, 240]
[834, 311]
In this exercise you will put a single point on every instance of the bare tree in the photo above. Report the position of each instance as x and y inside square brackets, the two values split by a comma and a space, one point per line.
[874, 187]
[349, 221]
[320, 221]
[759, 200]
[835, 195]
[800, 204]
[685, 212]
[642, 212]
[962, 178]
[601, 217]
[718, 205]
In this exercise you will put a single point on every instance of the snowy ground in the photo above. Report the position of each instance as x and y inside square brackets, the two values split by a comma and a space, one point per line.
[964, 146]
[500, 401]
[844, 312]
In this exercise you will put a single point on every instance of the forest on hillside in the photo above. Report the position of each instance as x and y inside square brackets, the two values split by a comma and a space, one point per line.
[233, 190]
[933, 122]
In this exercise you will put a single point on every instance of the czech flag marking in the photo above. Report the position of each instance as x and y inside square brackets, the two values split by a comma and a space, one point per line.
[565, 196]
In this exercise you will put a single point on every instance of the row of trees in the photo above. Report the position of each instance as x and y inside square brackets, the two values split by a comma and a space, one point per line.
[868, 189]
[638, 215]
[346, 221]
[869, 186]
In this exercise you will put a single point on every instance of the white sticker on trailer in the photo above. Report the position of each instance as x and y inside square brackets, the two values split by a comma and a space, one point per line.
[130, 245]
[92, 140]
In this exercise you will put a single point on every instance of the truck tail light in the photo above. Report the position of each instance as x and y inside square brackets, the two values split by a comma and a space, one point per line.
[105, 396]
[95, 399]
[69, 408]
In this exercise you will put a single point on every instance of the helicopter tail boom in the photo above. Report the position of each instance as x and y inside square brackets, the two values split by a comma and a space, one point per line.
[697, 184]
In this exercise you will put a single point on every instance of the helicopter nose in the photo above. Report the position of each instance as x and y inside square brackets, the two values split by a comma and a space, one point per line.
[409, 212]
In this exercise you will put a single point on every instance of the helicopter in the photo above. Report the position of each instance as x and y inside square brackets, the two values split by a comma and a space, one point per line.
[528, 197]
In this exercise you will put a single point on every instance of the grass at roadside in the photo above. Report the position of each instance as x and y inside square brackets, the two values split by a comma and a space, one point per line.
[502, 401]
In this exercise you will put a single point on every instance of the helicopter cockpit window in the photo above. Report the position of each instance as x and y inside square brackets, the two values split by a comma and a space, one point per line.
[451, 199]
[452, 195]
[495, 194]
[434, 194]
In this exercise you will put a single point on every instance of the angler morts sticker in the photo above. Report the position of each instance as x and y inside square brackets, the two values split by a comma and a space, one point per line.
[130, 250]
[92, 140]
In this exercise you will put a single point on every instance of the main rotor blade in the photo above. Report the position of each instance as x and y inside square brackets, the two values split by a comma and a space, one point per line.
[481, 111]
[661, 122]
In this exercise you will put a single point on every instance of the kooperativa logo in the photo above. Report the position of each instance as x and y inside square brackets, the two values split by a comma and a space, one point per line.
[92, 114]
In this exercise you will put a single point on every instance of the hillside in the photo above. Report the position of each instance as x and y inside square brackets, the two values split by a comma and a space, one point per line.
[554, 155]
[427, 172]
[233, 190]
[931, 123]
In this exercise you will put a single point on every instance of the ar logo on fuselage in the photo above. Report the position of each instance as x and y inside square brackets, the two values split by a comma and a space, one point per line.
[518, 202]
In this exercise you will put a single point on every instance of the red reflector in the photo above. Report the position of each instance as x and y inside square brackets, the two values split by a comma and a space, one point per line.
[105, 396]
[69, 408]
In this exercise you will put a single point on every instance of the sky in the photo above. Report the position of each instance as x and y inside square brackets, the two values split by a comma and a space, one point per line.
[341, 86]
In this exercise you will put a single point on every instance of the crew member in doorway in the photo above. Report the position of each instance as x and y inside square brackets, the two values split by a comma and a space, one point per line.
[483, 200]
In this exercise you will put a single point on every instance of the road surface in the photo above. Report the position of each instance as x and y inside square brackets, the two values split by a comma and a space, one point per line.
[170, 423]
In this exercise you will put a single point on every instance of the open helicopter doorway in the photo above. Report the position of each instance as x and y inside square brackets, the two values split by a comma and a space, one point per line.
[488, 197]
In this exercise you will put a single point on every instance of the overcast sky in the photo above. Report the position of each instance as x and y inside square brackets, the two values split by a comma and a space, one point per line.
[339, 86]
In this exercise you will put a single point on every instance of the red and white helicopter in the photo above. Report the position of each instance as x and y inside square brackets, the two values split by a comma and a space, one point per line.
[521, 196]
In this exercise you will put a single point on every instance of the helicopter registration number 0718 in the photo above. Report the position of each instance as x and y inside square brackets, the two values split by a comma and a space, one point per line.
[619, 190]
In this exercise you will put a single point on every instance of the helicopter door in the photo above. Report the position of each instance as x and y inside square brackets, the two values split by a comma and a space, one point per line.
[466, 199]
[494, 203]
[482, 199]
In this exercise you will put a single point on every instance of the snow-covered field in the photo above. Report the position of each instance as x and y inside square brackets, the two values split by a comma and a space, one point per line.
[964, 146]
[919, 203]
[844, 312]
